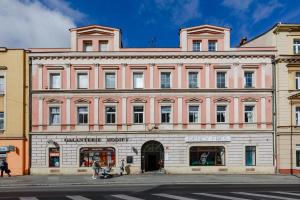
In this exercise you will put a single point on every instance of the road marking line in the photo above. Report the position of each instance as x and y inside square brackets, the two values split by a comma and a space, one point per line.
[173, 196]
[28, 198]
[264, 195]
[77, 197]
[221, 196]
[288, 193]
[126, 197]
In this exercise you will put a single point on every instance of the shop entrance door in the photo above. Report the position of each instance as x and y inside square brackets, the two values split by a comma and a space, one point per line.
[152, 153]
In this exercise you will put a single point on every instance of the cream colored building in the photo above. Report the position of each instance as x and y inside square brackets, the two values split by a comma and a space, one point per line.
[14, 97]
[286, 39]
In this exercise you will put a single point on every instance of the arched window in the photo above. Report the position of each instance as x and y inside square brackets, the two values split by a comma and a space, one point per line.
[207, 156]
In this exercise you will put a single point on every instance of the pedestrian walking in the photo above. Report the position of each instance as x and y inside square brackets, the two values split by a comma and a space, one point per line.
[122, 167]
[96, 168]
[4, 168]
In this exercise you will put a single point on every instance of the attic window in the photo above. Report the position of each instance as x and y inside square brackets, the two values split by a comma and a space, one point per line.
[196, 45]
[87, 46]
[212, 45]
[103, 45]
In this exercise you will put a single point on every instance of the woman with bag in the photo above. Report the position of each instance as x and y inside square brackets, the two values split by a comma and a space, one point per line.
[4, 168]
[96, 169]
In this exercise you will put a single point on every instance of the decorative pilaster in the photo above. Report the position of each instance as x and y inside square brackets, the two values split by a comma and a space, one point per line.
[96, 113]
[96, 78]
[179, 72]
[263, 112]
[263, 75]
[236, 111]
[179, 112]
[123, 67]
[236, 75]
[151, 75]
[40, 119]
[207, 111]
[68, 72]
[68, 113]
[40, 76]
[124, 114]
[207, 65]
[152, 110]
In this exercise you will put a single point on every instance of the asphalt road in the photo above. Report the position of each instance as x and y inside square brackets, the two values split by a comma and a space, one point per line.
[162, 192]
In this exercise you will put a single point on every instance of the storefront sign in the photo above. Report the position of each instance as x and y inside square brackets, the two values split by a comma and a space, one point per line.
[83, 140]
[3, 149]
[117, 139]
[208, 138]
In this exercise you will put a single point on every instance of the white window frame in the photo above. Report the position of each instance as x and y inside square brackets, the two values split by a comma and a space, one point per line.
[253, 78]
[132, 83]
[198, 78]
[100, 42]
[116, 77]
[88, 78]
[171, 114]
[296, 47]
[297, 80]
[116, 114]
[141, 105]
[253, 114]
[165, 71]
[49, 118]
[226, 113]
[49, 79]
[77, 114]
[4, 83]
[226, 78]
[200, 45]
[216, 45]
[197, 105]
[84, 42]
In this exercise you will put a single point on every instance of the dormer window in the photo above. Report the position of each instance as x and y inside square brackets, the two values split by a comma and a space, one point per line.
[103, 45]
[197, 45]
[87, 46]
[212, 45]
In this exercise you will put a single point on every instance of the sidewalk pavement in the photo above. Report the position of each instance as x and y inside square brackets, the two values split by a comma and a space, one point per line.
[144, 179]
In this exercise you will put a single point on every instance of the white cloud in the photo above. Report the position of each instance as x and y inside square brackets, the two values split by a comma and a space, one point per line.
[30, 23]
[263, 11]
[187, 11]
[238, 4]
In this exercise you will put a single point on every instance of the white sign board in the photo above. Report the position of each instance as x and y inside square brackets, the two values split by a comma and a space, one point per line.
[208, 138]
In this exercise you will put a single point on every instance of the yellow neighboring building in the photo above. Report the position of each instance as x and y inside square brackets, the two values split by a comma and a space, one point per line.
[14, 91]
[286, 39]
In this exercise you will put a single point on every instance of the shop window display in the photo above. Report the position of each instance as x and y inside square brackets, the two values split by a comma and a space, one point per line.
[207, 156]
[54, 155]
[106, 156]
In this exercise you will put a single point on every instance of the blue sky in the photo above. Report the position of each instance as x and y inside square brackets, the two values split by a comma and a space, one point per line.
[142, 20]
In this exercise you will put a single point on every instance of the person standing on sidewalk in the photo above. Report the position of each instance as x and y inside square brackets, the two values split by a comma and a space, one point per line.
[4, 168]
[96, 169]
[122, 167]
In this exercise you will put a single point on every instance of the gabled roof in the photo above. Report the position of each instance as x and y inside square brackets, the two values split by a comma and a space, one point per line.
[205, 26]
[94, 26]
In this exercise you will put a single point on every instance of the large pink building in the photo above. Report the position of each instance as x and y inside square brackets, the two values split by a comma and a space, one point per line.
[203, 107]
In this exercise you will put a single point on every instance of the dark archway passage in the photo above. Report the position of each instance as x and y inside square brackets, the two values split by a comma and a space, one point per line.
[152, 153]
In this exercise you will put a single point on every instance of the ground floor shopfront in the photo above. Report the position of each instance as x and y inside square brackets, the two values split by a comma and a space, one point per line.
[15, 152]
[239, 153]
[288, 146]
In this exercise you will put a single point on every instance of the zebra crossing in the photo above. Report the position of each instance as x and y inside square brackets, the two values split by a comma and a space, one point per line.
[280, 195]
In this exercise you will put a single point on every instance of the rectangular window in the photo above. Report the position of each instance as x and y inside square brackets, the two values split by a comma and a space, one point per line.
[196, 45]
[138, 114]
[2, 84]
[298, 155]
[248, 79]
[110, 114]
[212, 45]
[250, 155]
[103, 45]
[138, 80]
[54, 115]
[207, 156]
[194, 114]
[297, 80]
[165, 114]
[82, 81]
[82, 115]
[110, 80]
[298, 116]
[106, 156]
[87, 46]
[193, 79]
[221, 79]
[54, 155]
[1, 120]
[165, 79]
[55, 81]
[249, 114]
[221, 114]
[296, 46]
